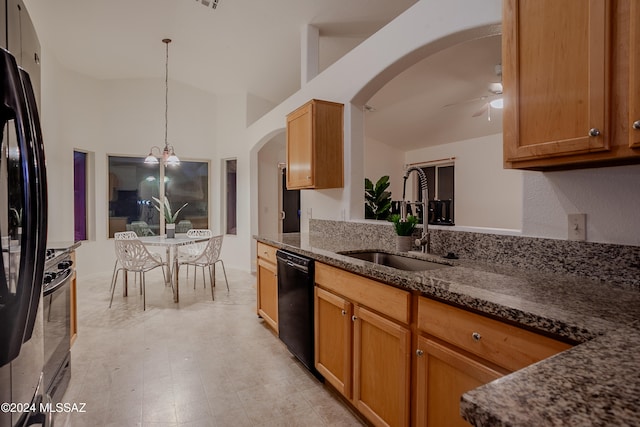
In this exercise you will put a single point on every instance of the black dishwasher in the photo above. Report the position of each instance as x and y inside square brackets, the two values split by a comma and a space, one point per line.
[295, 306]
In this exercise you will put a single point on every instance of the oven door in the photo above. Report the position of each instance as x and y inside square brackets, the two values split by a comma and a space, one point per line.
[57, 334]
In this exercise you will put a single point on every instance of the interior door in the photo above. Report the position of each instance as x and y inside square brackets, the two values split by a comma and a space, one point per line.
[290, 209]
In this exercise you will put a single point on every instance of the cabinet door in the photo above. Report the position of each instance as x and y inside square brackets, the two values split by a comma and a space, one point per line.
[381, 369]
[268, 293]
[442, 376]
[555, 74]
[333, 339]
[634, 74]
[300, 148]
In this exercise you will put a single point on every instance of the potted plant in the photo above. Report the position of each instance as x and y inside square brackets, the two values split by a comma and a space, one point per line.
[169, 217]
[377, 198]
[404, 231]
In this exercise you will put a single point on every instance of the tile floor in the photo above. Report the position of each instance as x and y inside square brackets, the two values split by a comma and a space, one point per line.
[196, 363]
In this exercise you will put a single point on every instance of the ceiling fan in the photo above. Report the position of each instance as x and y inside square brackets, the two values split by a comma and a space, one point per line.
[492, 100]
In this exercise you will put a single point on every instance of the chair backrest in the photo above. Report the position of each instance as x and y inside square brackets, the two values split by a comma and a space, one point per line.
[212, 250]
[199, 232]
[125, 235]
[133, 255]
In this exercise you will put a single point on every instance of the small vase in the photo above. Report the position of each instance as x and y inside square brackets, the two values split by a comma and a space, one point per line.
[171, 231]
[403, 243]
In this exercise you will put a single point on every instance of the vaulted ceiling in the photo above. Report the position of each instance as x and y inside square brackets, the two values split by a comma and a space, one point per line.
[254, 47]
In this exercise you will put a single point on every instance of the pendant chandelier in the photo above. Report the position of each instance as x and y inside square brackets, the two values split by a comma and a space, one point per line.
[168, 154]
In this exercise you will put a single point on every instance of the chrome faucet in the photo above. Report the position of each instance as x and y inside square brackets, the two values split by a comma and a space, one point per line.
[424, 242]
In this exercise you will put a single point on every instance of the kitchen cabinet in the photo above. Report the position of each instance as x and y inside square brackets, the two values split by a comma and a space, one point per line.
[352, 312]
[315, 146]
[634, 73]
[458, 350]
[267, 285]
[568, 74]
[442, 376]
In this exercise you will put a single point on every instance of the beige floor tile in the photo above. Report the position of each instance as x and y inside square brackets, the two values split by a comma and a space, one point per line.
[196, 363]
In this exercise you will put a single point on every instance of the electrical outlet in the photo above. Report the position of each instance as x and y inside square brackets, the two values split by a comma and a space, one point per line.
[577, 227]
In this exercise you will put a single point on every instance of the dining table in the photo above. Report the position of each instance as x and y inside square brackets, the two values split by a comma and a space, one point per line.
[172, 244]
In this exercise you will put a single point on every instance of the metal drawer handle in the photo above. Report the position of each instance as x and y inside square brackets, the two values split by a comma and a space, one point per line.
[344, 312]
[636, 125]
[594, 132]
[354, 318]
[476, 336]
[419, 353]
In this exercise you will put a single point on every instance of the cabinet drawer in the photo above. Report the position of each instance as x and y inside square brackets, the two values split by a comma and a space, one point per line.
[267, 252]
[382, 298]
[507, 346]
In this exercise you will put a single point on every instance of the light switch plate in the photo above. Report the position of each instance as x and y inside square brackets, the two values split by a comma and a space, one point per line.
[577, 227]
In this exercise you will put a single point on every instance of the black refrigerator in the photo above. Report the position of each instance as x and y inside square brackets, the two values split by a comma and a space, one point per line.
[23, 223]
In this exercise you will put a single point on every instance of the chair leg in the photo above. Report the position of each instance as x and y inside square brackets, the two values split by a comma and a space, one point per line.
[225, 273]
[115, 265]
[204, 279]
[212, 279]
[113, 285]
[144, 291]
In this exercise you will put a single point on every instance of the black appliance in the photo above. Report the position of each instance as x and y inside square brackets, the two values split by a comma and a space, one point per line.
[23, 222]
[295, 306]
[57, 322]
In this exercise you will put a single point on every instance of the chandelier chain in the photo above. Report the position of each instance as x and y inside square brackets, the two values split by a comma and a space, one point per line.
[166, 92]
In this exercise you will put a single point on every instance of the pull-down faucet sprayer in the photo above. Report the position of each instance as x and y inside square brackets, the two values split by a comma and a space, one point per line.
[424, 241]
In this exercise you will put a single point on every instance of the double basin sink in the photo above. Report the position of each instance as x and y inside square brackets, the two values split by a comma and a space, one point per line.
[396, 261]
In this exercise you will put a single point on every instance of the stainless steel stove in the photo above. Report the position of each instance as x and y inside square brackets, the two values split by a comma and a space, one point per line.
[57, 322]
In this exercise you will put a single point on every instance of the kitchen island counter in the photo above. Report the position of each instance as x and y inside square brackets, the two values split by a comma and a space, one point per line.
[595, 382]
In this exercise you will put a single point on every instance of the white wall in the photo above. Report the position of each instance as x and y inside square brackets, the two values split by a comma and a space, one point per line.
[486, 194]
[269, 178]
[124, 117]
[609, 196]
[381, 159]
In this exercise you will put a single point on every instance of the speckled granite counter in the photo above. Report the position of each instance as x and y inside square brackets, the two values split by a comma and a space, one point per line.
[594, 383]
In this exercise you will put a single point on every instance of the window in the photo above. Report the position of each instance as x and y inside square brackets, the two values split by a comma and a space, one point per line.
[133, 185]
[440, 180]
[80, 193]
[230, 167]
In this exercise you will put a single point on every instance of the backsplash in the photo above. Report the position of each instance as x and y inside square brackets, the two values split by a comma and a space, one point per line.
[615, 264]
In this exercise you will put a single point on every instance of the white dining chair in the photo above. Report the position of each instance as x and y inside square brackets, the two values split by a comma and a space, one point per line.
[209, 257]
[195, 249]
[121, 235]
[133, 256]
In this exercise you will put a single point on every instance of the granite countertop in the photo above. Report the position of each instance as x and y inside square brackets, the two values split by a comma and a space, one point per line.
[595, 383]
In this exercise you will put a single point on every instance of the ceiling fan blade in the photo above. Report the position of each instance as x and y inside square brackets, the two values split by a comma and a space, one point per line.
[467, 101]
[482, 110]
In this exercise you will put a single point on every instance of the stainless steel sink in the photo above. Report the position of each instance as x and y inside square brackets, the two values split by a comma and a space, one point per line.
[395, 261]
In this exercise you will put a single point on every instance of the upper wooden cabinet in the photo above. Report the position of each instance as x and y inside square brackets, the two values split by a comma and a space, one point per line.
[634, 74]
[315, 146]
[569, 89]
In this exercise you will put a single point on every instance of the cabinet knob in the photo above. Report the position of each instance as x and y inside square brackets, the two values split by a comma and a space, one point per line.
[594, 132]
[476, 336]
[354, 318]
[636, 125]
[419, 353]
[344, 312]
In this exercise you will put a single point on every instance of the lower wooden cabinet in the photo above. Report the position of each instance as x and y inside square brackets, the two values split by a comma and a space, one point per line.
[382, 362]
[364, 355]
[443, 374]
[267, 285]
[333, 338]
[458, 350]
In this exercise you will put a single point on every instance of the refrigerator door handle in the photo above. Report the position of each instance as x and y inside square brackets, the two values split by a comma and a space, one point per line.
[40, 198]
[14, 308]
